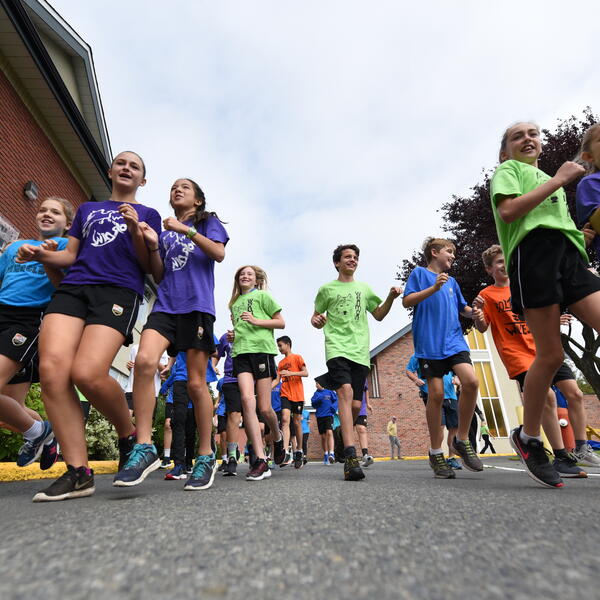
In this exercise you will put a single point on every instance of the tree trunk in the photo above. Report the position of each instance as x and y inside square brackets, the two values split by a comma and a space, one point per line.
[585, 357]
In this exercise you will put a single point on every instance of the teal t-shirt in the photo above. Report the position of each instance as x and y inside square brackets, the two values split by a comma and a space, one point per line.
[514, 178]
[251, 339]
[347, 328]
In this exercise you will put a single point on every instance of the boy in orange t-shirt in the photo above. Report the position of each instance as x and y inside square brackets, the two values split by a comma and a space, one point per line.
[516, 347]
[290, 371]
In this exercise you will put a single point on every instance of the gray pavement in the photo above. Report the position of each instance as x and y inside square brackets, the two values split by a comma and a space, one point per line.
[307, 534]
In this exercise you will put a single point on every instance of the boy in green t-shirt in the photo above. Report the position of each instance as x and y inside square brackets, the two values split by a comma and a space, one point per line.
[547, 265]
[341, 308]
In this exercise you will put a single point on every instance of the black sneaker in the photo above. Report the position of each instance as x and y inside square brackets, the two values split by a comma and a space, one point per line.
[31, 450]
[469, 457]
[49, 455]
[338, 444]
[230, 469]
[143, 459]
[222, 466]
[441, 469]
[534, 458]
[566, 466]
[125, 447]
[74, 483]
[352, 470]
[259, 471]
[252, 458]
[298, 463]
[279, 450]
[203, 475]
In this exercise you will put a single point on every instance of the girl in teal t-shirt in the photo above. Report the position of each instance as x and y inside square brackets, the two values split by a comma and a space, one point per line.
[255, 314]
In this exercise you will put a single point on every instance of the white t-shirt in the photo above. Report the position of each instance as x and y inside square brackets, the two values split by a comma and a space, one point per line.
[164, 359]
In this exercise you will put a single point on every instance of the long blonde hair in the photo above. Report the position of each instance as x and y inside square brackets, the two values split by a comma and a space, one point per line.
[261, 282]
[586, 141]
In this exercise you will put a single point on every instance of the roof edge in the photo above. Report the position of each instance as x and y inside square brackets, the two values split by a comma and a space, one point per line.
[386, 343]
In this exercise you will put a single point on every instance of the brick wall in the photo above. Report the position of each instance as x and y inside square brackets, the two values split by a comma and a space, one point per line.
[592, 407]
[26, 154]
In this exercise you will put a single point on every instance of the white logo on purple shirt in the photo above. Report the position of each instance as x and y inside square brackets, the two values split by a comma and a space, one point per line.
[108, 224]
[177, 243]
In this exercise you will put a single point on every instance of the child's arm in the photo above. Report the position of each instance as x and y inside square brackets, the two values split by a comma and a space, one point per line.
[276, 381]
[416, 297]
[318, 320]
[478, 315]
[54, 275]
[59, 259]
[155, 262]
[589, 233]
[275, 322]
[214, 250]
[382, 310]
[511, 208]
[142, 254]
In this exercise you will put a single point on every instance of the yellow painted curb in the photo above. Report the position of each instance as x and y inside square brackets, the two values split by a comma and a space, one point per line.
[383, 458]
[10, 471]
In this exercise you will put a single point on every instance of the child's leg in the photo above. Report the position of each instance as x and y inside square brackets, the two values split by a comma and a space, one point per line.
[544, 324]
[433, 411]
[178, 421]
[298, 430]
[587, 310]
[345, 407]
[263, 394]
[190, 436]
[550, 422]
[469, 385]
[167, 437]
[152, 347]
[361, 432]
[90, 373]
[285, 427]
[577, 414]
[451, 434]
[233, 422]
[329, 436]
[12, 412]
[19, 392]
[201, 399]
[59, 339]
[251, 425]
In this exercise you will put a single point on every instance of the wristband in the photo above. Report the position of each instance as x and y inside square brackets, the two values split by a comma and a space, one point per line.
[191, 232]
[155, 249]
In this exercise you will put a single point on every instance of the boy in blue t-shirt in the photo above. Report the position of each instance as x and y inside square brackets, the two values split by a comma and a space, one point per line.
[440, 348]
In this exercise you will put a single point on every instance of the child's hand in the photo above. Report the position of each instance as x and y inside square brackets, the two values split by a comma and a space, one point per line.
[440, 281]
[569, 171]
[249, 318]
[172, 224]
[395, 291]
[478, 303]
[150, 236]
[476, 313]
[50, 245]
[130, 215]
[565, 319]
[27, 252]
[589, 233]
[318, 321]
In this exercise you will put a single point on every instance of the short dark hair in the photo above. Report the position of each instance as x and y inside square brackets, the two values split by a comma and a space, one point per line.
[337, 253]
[285, 339]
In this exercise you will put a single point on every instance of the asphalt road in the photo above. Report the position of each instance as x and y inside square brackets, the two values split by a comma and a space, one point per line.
[307, 534]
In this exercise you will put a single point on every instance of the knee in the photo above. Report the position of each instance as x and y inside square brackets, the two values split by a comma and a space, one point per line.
[144, 367]
[196, 388]
[167, 425]
[574, 396]
[550, 361]
[470, 384]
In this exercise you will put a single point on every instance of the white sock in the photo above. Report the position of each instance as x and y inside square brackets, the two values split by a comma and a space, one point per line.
[527, 438]
[167, 453]
[34, 431]
[436, 451]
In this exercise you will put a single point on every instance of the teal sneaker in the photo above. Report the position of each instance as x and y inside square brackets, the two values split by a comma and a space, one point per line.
[203, 474]
[142, 460]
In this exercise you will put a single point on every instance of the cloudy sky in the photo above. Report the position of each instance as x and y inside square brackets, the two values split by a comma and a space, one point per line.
[314, 123]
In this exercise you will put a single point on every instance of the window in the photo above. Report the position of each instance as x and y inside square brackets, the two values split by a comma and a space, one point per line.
[476, 340]
[8, 233]
[492, 405]
[374, 391]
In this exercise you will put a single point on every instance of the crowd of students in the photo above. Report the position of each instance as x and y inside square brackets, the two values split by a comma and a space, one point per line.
[88, 287]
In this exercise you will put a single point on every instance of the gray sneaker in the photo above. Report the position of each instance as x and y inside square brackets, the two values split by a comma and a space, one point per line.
[367, 460]
[566, 466]
[441, 469]
[469, 458]
[587, 457]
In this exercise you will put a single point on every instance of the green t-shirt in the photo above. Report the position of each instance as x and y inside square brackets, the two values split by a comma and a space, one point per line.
[484, 430]
[251, 338]
[347, 328]
[514, 178]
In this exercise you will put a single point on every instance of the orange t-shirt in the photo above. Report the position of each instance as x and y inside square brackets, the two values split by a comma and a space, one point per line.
[512, 337]
[292, 387]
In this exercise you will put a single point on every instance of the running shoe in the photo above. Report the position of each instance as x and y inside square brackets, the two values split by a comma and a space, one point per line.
[338, 445]
[143, 459]
[167, 463]
[298, 463]
[176, 473]
[31, 450]
[469, 457]
[278, 450]
[441, 469]
[352, 470]
[587, 457]
[259, 471]
[231, 467]
[331, 458]
[566, 466]
[126, 445]
[454, 464]
[535, 460]
[287, 460]
[203, 475]
[326, 459]
[304, 461]
[73, 483]
[252, 458]
[189, 468]
[367, 460]
[222, 466]
[49, 454]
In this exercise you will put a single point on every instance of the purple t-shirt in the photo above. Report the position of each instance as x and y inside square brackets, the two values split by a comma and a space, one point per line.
[363, 405]
[587, 201]
[224, 350]
[188, 283]
[106, 254]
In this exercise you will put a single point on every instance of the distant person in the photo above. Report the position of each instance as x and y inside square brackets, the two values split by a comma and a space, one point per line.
[360, 426]
[392, 431]
[484, 434]
[325, 404]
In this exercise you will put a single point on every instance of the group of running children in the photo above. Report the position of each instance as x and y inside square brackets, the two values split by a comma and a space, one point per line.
[88, 288]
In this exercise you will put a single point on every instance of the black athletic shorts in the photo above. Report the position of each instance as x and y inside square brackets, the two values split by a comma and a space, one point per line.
[168, 410]
[19, 330]
[438, 368]
[190, 331]
[113, 306]
[450, 413]
[545, 269]
[341, 370]
[28, 374]
[361, 420]
[233, 398]
[562, 374]
[129, 398]
[295, 408]
[324, 424]
[261, 366]
[221, 423]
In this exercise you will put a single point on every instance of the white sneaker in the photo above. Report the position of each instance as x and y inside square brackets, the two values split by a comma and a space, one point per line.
[367, 460]
[587, 457]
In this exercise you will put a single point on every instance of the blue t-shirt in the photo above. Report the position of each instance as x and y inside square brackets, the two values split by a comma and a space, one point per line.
[220, 412]
[305, 421]
[413, 367]
[324, 402]
[25, 284]
[211, 374]
[276, 398]
[436, 329]
[449, 389]
[166, 389]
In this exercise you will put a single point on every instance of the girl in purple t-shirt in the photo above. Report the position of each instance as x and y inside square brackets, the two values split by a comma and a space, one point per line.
[91, 316]
[182, 260]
